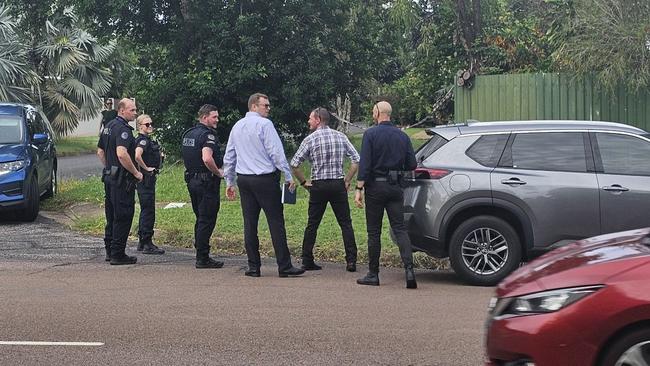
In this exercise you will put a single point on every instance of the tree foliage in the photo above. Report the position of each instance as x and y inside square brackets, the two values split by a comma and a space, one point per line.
[610, 38]
[57, 64]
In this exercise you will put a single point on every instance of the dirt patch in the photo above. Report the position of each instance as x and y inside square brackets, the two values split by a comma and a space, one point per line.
[73, 213]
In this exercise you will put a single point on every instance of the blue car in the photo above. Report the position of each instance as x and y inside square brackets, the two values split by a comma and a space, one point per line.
[27, 161]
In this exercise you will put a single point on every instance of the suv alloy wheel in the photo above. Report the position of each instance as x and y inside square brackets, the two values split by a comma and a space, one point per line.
[483, 249]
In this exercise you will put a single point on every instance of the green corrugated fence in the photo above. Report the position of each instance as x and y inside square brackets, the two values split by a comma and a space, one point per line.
[549, 96]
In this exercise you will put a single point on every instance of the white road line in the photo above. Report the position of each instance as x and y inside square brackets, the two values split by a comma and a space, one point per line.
[32, 343]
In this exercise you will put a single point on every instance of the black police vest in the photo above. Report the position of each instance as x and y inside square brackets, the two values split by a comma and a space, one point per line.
[192, 144]
[151, 151]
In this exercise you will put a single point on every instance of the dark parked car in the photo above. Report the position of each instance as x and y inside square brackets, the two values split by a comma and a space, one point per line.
[27, 160]
[489, 195]
[587, 303]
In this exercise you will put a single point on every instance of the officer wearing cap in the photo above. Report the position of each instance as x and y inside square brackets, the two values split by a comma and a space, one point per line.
[149, 158]
[203, 162]
[123, 175]
[386, 152]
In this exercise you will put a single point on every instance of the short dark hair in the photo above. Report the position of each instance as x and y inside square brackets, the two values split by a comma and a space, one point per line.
[253, 99]
[323, 114]
[206, 109]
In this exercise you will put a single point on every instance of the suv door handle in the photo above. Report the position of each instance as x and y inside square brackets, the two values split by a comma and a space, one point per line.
[616, 188]
[513, 181]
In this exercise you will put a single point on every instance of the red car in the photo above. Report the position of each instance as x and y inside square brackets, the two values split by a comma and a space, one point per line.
[587, 303]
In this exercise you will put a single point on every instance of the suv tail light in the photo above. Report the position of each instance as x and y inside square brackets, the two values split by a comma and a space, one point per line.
[426, 173]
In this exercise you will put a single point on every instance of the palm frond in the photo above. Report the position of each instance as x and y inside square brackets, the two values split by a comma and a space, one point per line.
[77, 90]
[101, 53]
[61, 111]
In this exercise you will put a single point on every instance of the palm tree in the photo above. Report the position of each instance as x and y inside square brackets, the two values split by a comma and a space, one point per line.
[65, 72]
[73, 61]
[15, 73]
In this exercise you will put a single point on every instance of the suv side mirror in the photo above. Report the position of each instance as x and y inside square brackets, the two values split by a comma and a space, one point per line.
[39, 138]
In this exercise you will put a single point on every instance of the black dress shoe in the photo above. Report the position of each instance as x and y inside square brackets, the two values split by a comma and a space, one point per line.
[208, 263]
[311, 266]
[140, 247]
[371, 279]
[152, 249]
[108, 254]
[351, 267]
[410, 278]
[252, 272]
[293, 271]
[123, 259]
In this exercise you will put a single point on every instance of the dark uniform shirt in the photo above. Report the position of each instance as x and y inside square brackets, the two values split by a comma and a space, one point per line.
[384, 148]
[194, 140]
[105, 135]
[121, 134]
[151, 150]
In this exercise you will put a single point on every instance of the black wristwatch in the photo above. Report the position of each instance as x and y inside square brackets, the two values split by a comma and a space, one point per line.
[303, 182]
[359, 188]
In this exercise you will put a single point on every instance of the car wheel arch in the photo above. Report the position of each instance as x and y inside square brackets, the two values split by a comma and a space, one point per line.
[506, 211]
[628, 329]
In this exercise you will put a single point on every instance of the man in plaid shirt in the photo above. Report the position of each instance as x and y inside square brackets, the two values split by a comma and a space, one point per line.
[325, 148]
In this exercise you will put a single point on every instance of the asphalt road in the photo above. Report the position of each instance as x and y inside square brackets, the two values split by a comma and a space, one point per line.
[79, 167]
[55, 287]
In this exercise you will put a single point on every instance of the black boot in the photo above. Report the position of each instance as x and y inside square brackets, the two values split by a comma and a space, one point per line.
[140, 246]
[208, 263]
[308, 265]
[108, 254]
[123, 259]
[151, 248]
[410, 277]
[371, 279]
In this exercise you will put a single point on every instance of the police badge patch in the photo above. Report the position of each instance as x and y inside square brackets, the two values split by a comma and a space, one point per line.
[143, 142]
[211, 137]
[124, 135]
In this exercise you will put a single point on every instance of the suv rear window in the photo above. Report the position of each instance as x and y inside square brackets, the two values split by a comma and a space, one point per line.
[10, 130]
[487, 149]
[434, 143]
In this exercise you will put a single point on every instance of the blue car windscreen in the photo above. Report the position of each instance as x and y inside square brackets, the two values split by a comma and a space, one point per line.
[11, 130]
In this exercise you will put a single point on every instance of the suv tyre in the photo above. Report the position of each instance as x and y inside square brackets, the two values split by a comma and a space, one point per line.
[484, 249]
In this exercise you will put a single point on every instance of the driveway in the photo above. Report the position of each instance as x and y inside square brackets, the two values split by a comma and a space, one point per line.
[56, 287]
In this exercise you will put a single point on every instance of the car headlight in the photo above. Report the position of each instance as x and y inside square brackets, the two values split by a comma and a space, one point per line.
[542, 302]
[12, 166]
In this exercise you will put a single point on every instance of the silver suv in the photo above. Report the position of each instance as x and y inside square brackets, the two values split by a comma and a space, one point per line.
[489, 195]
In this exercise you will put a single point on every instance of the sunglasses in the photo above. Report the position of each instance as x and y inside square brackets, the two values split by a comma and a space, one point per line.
[265, 105]
[148, 125]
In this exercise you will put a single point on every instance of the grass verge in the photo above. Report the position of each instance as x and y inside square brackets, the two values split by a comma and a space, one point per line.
[76, 146]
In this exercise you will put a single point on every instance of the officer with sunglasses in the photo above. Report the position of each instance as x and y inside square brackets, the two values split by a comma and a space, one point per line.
[149, 157]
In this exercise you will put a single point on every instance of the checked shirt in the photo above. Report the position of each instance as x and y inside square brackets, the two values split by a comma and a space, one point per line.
[325, 149]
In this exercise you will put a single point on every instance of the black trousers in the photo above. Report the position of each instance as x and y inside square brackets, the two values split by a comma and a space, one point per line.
[334, 192]
[108, 212]
[262, 192]
[206, 201]
[382, 196]
[147, 198]
[123, 203]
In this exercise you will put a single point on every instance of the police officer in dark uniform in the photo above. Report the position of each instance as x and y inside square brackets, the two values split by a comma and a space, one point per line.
[123, 176]
[149, 158]
[102, 145]
[203, 173]
[386, 152]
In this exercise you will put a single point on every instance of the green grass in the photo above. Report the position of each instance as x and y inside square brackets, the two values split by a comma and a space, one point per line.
[174, 227]
[76, 145]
